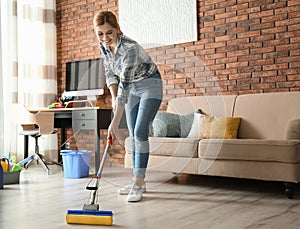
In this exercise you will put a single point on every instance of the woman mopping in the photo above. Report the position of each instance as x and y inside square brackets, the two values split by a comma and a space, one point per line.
[133, 79]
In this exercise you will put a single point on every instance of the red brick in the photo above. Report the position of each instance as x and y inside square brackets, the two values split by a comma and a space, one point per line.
[176, 91]
[212, 2]
[261, 14]
[239, 76]
[238, 53]
[290, 21]
[214, 12]
[262, 50]
[249, 34]
[263, 86]
[293, 2]
[289, 84]
[250, 57]
[293, 27]
[248, 11]
[225, 15]
[226, 71]
[239, 87]
[295, 71]
[238, 7]
[226, 60]
[295, 64]
[247, 81]
[237, 64]
[264, 73]
[275, 30]
[289, 9]
[287, 59]
[214, 22]
[237, 18]
[215, 56]
[261, 62]
[293, 78]
[275, 18]
[263, 38]
[275, 66]
[287, 47]
[225, 38]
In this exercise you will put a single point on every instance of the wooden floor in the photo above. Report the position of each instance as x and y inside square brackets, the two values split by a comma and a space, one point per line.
[185, 201]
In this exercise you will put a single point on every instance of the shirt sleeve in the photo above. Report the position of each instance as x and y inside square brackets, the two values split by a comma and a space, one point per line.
[123, 93]
[111, 78]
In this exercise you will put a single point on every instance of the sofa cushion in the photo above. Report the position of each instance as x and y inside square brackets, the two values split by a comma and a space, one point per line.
[260, 170]
[213, 105]
[214, 127]
[177, 147]
[293, 130]
[266, 115]
[250, 149]
[167, 124]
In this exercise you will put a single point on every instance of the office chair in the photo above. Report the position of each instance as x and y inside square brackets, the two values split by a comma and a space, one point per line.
[34, 125]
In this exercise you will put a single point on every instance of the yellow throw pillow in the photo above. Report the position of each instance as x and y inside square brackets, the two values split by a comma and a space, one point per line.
[219, 127]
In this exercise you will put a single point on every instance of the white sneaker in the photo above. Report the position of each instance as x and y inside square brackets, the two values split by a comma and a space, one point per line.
[126, 190]
[135, 194]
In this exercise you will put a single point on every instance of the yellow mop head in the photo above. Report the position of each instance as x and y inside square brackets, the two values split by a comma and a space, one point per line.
[89, 217]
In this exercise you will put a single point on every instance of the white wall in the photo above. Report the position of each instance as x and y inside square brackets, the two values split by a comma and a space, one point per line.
[154, 23]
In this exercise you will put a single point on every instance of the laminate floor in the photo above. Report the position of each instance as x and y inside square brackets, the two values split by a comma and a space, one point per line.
[183, 201]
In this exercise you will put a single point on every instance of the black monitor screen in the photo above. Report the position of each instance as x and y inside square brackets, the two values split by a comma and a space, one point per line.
[85, 75]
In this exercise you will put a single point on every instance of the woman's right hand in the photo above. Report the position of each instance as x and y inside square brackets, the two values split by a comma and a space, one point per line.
[111, 133]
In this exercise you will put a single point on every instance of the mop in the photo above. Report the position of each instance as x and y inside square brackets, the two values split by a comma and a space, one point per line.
[90, 213]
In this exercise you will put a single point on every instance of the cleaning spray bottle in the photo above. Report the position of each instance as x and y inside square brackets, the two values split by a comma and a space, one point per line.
[4, 164]
[1, 178]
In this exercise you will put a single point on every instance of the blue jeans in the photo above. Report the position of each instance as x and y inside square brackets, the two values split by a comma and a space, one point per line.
[143, 103]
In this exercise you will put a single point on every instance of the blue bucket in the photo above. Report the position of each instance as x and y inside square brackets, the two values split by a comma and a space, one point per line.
[76, 163]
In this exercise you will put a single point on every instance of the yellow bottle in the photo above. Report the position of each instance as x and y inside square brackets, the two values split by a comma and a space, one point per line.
[4, 164]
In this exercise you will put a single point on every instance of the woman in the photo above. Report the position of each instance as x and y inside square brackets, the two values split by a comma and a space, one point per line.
[133, 79]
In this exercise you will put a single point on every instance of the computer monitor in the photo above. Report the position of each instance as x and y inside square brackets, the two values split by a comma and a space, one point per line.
[85, 78]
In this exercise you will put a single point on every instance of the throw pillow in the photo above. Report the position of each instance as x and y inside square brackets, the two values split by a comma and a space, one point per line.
[224, 127]
[196, 126]
[186, 122]
[167, 124]
[293, 129]
[214, 127]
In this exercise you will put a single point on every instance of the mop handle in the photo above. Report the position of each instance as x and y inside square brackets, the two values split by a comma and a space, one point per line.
[109, 143]
[98, 175]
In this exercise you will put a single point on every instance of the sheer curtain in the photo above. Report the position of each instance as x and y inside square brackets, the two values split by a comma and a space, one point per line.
[28, 41]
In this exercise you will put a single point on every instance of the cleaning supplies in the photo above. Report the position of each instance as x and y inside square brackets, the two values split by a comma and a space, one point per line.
[11, 171]
[4, 164]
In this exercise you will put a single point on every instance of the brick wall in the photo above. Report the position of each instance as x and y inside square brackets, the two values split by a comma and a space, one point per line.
[244, 46]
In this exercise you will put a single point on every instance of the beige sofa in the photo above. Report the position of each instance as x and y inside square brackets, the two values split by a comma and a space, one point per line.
[267, 145]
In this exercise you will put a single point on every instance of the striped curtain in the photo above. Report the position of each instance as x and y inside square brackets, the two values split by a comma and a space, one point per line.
[28, 36]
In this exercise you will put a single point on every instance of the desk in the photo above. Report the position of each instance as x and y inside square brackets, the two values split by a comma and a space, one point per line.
[85, 118]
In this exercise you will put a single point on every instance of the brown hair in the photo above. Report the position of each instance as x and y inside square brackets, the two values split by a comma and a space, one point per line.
[109, 17]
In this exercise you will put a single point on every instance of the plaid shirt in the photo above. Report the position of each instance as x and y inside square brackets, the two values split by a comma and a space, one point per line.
[130, 63]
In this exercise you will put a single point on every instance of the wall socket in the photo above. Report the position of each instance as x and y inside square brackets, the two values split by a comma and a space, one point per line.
[67, 145]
